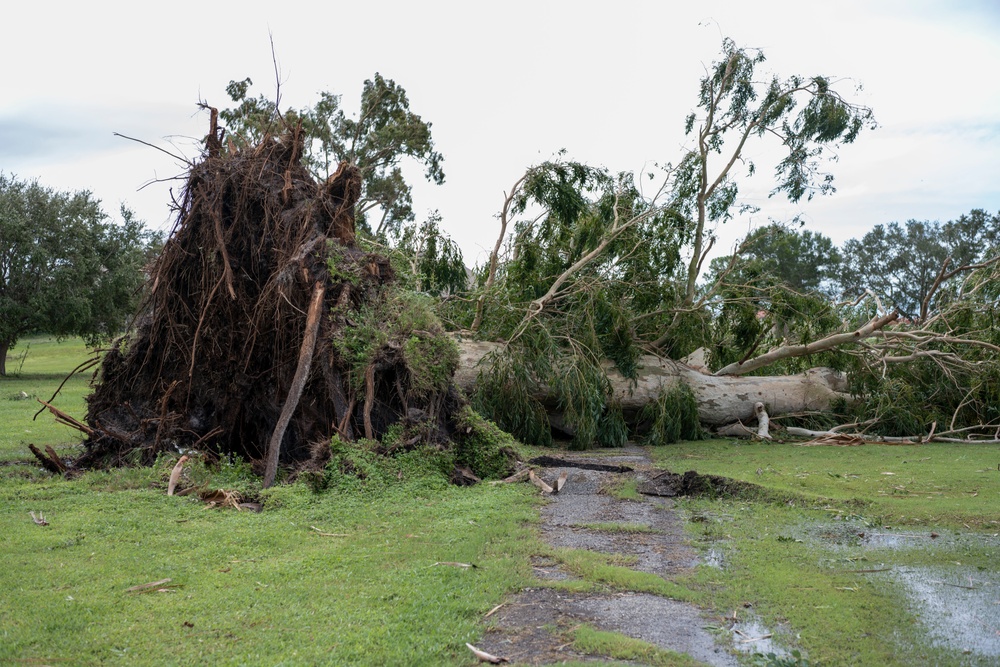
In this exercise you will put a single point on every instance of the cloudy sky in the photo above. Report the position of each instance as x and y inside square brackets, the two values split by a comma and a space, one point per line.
[507, 85]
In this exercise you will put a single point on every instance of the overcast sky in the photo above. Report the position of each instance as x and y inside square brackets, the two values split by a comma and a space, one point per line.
[506, 85]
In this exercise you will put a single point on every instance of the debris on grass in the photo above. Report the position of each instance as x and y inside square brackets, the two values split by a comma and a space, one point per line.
[39, 520]
[484, 656]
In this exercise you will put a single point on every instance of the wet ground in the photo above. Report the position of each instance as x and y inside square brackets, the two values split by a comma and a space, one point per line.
[648, 535]
[958, 607]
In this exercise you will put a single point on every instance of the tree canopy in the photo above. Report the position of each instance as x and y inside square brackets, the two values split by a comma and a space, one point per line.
[66, 268]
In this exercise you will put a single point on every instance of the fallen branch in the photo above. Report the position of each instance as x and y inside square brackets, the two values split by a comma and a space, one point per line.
[175, 474]
[828, 343]
[145, 588]
[39, 520]
[320, 532]
[484, 656]
[464, 566]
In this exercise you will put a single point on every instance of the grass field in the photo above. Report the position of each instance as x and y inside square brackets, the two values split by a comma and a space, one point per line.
[245, 588]
[359, 573]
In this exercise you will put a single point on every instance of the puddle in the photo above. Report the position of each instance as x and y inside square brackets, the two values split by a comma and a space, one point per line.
[714, 558]
[750, 636]
[960, 607]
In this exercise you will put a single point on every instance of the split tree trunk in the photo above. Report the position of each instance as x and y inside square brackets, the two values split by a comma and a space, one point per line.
[721, 400]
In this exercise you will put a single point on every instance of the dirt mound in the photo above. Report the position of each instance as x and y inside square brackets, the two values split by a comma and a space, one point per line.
[670, 484]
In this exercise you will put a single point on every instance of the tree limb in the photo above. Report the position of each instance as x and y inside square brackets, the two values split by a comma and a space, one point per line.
[790, 351]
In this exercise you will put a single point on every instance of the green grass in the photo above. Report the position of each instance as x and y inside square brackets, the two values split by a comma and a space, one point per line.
[45, 364]
[620, 647]
[246, 588]
[255, 588]
[942, 484]
[798, 565]
[612, 527]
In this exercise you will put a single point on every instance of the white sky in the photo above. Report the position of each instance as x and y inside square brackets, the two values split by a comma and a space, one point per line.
[506, 85]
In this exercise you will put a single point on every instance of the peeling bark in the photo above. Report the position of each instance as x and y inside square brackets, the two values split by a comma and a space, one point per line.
[721, 399]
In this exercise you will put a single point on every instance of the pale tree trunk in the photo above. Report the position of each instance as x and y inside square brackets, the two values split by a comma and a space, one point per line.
[721, 400]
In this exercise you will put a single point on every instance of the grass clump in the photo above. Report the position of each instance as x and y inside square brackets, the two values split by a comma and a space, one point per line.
[598, 568]
[614, 645]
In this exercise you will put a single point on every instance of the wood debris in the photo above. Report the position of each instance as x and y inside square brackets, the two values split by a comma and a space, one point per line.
[537, 481]
[160, 586]
[175, 475]
[484, 656]
[322, 534]
[561, 482]
[39, 520]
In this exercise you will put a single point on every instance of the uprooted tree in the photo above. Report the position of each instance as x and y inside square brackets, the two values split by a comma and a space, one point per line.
[593, 285]
[266, 331]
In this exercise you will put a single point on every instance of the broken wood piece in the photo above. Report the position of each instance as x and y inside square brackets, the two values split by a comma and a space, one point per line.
[175, 474]
[545, 488]
[494, 610]
[762, 420]
[65, 419]
[561, 482]
[484, 656]
[148, 587]
[55, 467]
[55, 458]
[320, 532]
[454, 564]
[519, 476]
[39, 520]
[755, 639]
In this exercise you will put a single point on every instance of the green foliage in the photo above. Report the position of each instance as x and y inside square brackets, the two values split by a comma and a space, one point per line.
[426, 259]
[482, 446]
[65, 267]
[673, 417]
[504, 393]
[399, 322]
[736, 104]
[378, 139]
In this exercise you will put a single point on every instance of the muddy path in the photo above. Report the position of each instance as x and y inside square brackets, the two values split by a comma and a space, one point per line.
[645, 534]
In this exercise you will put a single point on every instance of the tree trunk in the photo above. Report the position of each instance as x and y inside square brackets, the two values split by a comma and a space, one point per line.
[4, 348]
[721, 400]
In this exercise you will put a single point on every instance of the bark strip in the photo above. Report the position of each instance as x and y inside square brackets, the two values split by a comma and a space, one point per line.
[298, 383]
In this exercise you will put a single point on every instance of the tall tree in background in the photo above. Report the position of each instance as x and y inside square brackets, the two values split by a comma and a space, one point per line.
[65, 268]
[377, 140]
[909, 264]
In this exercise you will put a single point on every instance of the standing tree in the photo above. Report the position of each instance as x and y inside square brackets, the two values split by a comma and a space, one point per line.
[908, 264]
[65, 268]
[383, 133]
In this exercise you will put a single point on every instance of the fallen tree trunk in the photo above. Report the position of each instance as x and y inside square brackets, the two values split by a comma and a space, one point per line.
[721, 399]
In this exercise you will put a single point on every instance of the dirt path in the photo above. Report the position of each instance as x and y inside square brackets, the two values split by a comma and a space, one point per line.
[532, 626]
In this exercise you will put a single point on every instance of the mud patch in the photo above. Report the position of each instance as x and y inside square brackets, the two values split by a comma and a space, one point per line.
[670, 484]
[553, 462]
